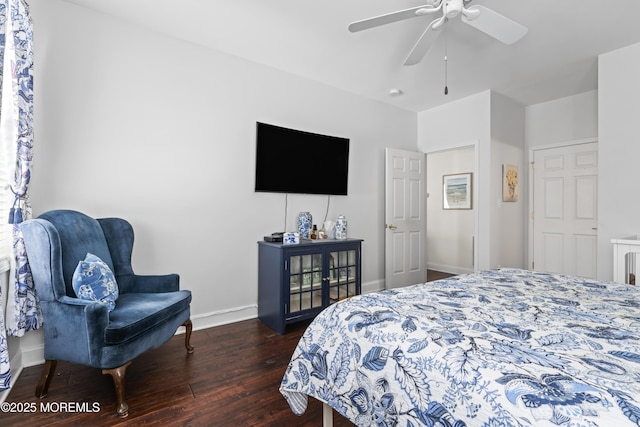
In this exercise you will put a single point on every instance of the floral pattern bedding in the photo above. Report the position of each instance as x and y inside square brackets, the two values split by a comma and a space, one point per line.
[498, 348]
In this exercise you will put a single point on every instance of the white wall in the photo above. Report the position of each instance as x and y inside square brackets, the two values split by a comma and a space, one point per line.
[458, 124]
[508, 219]
[135, 124]
[573, 118]
[449, 232]
[495, 125]
[618, 151]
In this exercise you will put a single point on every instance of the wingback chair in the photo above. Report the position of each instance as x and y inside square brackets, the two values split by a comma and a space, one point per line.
[148, 309]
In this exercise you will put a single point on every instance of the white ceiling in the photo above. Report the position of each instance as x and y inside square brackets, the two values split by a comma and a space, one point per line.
[557, 57]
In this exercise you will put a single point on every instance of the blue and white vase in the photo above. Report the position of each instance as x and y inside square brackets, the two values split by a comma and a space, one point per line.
[304, 224]
[341, 228]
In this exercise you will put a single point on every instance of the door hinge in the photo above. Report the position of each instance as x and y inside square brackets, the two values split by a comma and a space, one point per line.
[533, 164]
[533, 265]
[533, 215]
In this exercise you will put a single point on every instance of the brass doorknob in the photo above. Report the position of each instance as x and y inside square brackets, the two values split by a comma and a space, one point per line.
[391, 227]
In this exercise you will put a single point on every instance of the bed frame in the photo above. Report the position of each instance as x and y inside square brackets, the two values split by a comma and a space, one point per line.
[327, 415]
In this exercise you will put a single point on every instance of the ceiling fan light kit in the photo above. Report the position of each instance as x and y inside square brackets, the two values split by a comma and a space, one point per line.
[452, 8]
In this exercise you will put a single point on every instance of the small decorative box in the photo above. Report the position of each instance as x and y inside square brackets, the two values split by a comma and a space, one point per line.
[291, 238]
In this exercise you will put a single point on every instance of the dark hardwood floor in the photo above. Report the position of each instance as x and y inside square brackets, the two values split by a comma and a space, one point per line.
[231, 379]
[437, 275]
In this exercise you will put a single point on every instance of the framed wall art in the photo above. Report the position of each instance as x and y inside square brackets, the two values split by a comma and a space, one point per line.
[509, 183]
[457, 191]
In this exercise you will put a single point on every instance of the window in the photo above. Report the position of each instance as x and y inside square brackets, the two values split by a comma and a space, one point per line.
[6, 136]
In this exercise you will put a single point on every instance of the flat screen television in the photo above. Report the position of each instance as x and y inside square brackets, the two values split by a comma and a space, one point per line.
[295, 161]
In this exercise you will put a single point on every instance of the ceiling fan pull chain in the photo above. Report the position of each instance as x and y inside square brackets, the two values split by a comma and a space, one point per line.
[446, 49]
[446, 87]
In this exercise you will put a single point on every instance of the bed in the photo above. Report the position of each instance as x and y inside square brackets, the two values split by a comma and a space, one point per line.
[498, 348]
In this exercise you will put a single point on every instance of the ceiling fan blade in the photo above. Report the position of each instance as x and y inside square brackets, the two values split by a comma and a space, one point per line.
[388, 18]
[497, 26]
[424, 43]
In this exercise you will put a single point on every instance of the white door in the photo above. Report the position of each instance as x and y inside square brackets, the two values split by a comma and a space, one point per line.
[405, 218]
[565, 200]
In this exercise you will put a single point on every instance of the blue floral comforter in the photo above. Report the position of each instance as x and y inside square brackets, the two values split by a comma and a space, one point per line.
[498, 348]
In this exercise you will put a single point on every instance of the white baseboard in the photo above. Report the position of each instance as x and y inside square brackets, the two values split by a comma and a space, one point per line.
[32, 356]
[375, 286]
[238, 314]
[449, 269]
[223, 317]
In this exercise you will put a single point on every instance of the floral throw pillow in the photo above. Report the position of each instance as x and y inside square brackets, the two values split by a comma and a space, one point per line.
[93, 280]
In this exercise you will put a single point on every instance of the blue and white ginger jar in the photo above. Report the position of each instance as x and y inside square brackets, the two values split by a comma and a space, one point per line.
[304, 224]
[341, 228]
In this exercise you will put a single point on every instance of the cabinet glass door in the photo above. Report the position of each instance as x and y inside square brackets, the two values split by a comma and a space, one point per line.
[305, 280]
[342, 275]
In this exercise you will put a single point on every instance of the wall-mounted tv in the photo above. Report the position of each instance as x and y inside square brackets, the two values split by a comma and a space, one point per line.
[295, 161]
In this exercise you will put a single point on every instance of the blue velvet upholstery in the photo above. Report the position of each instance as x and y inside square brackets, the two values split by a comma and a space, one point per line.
[148, 311]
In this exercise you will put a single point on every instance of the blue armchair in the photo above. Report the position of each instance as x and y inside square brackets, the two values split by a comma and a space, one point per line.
[148, 309]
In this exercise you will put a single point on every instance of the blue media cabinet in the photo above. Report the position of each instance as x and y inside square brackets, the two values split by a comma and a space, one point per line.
[296, 282]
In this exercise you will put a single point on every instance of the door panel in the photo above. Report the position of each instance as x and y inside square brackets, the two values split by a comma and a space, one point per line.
[397, 241]
[415, 262]
[586, 197]
[565, 183]
[585, 256]
[554, 198]
[553, 244]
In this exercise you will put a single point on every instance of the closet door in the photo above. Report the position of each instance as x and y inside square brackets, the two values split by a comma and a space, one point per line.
[565, 210]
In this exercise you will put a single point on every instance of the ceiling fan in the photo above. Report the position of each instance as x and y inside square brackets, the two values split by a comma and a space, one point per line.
[481, 18]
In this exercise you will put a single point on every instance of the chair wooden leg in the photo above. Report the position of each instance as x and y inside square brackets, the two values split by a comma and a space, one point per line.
[118, 375]
[45, 378]
[187, 336]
